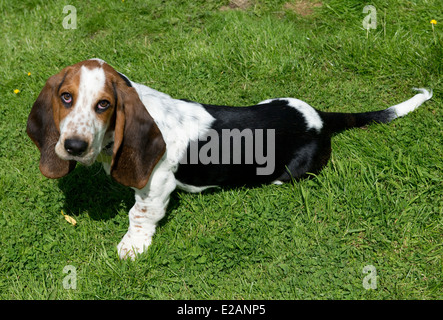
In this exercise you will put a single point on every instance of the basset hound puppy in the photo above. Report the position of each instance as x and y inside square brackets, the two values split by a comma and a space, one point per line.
[154, 143]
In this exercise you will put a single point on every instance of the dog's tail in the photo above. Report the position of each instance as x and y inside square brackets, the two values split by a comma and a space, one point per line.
[336, 122]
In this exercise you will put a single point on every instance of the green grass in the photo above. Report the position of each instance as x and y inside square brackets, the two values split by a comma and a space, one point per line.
[378, 202]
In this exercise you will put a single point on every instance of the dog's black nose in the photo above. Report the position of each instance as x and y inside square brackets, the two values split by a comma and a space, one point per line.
[75, 147]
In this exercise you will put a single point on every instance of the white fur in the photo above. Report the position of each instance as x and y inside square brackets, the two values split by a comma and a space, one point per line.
[81, 121]
[99, 60]
[192, 189]
[179, 122]
[312, 118]
[407, 106]
[149, 209]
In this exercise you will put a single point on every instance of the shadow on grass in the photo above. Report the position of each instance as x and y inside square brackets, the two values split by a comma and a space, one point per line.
[91, 190]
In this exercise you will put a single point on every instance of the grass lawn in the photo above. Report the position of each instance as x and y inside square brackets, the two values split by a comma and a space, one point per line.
[379, 202]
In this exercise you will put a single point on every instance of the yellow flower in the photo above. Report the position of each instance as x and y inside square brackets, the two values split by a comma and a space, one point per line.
[29, 73]
[16, 91]
[433, 22]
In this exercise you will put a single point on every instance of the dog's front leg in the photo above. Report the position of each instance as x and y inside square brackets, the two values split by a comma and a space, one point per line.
[149, 209]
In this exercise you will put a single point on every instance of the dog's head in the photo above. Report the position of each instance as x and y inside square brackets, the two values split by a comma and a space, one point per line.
[83, 109]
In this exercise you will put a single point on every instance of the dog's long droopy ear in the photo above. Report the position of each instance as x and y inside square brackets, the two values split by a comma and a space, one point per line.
[43, 132]
[138, 143]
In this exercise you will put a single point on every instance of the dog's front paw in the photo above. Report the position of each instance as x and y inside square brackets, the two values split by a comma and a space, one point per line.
[132, 245]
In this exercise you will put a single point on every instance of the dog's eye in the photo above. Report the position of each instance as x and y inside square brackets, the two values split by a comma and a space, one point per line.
[66, 98]
[102, 105]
